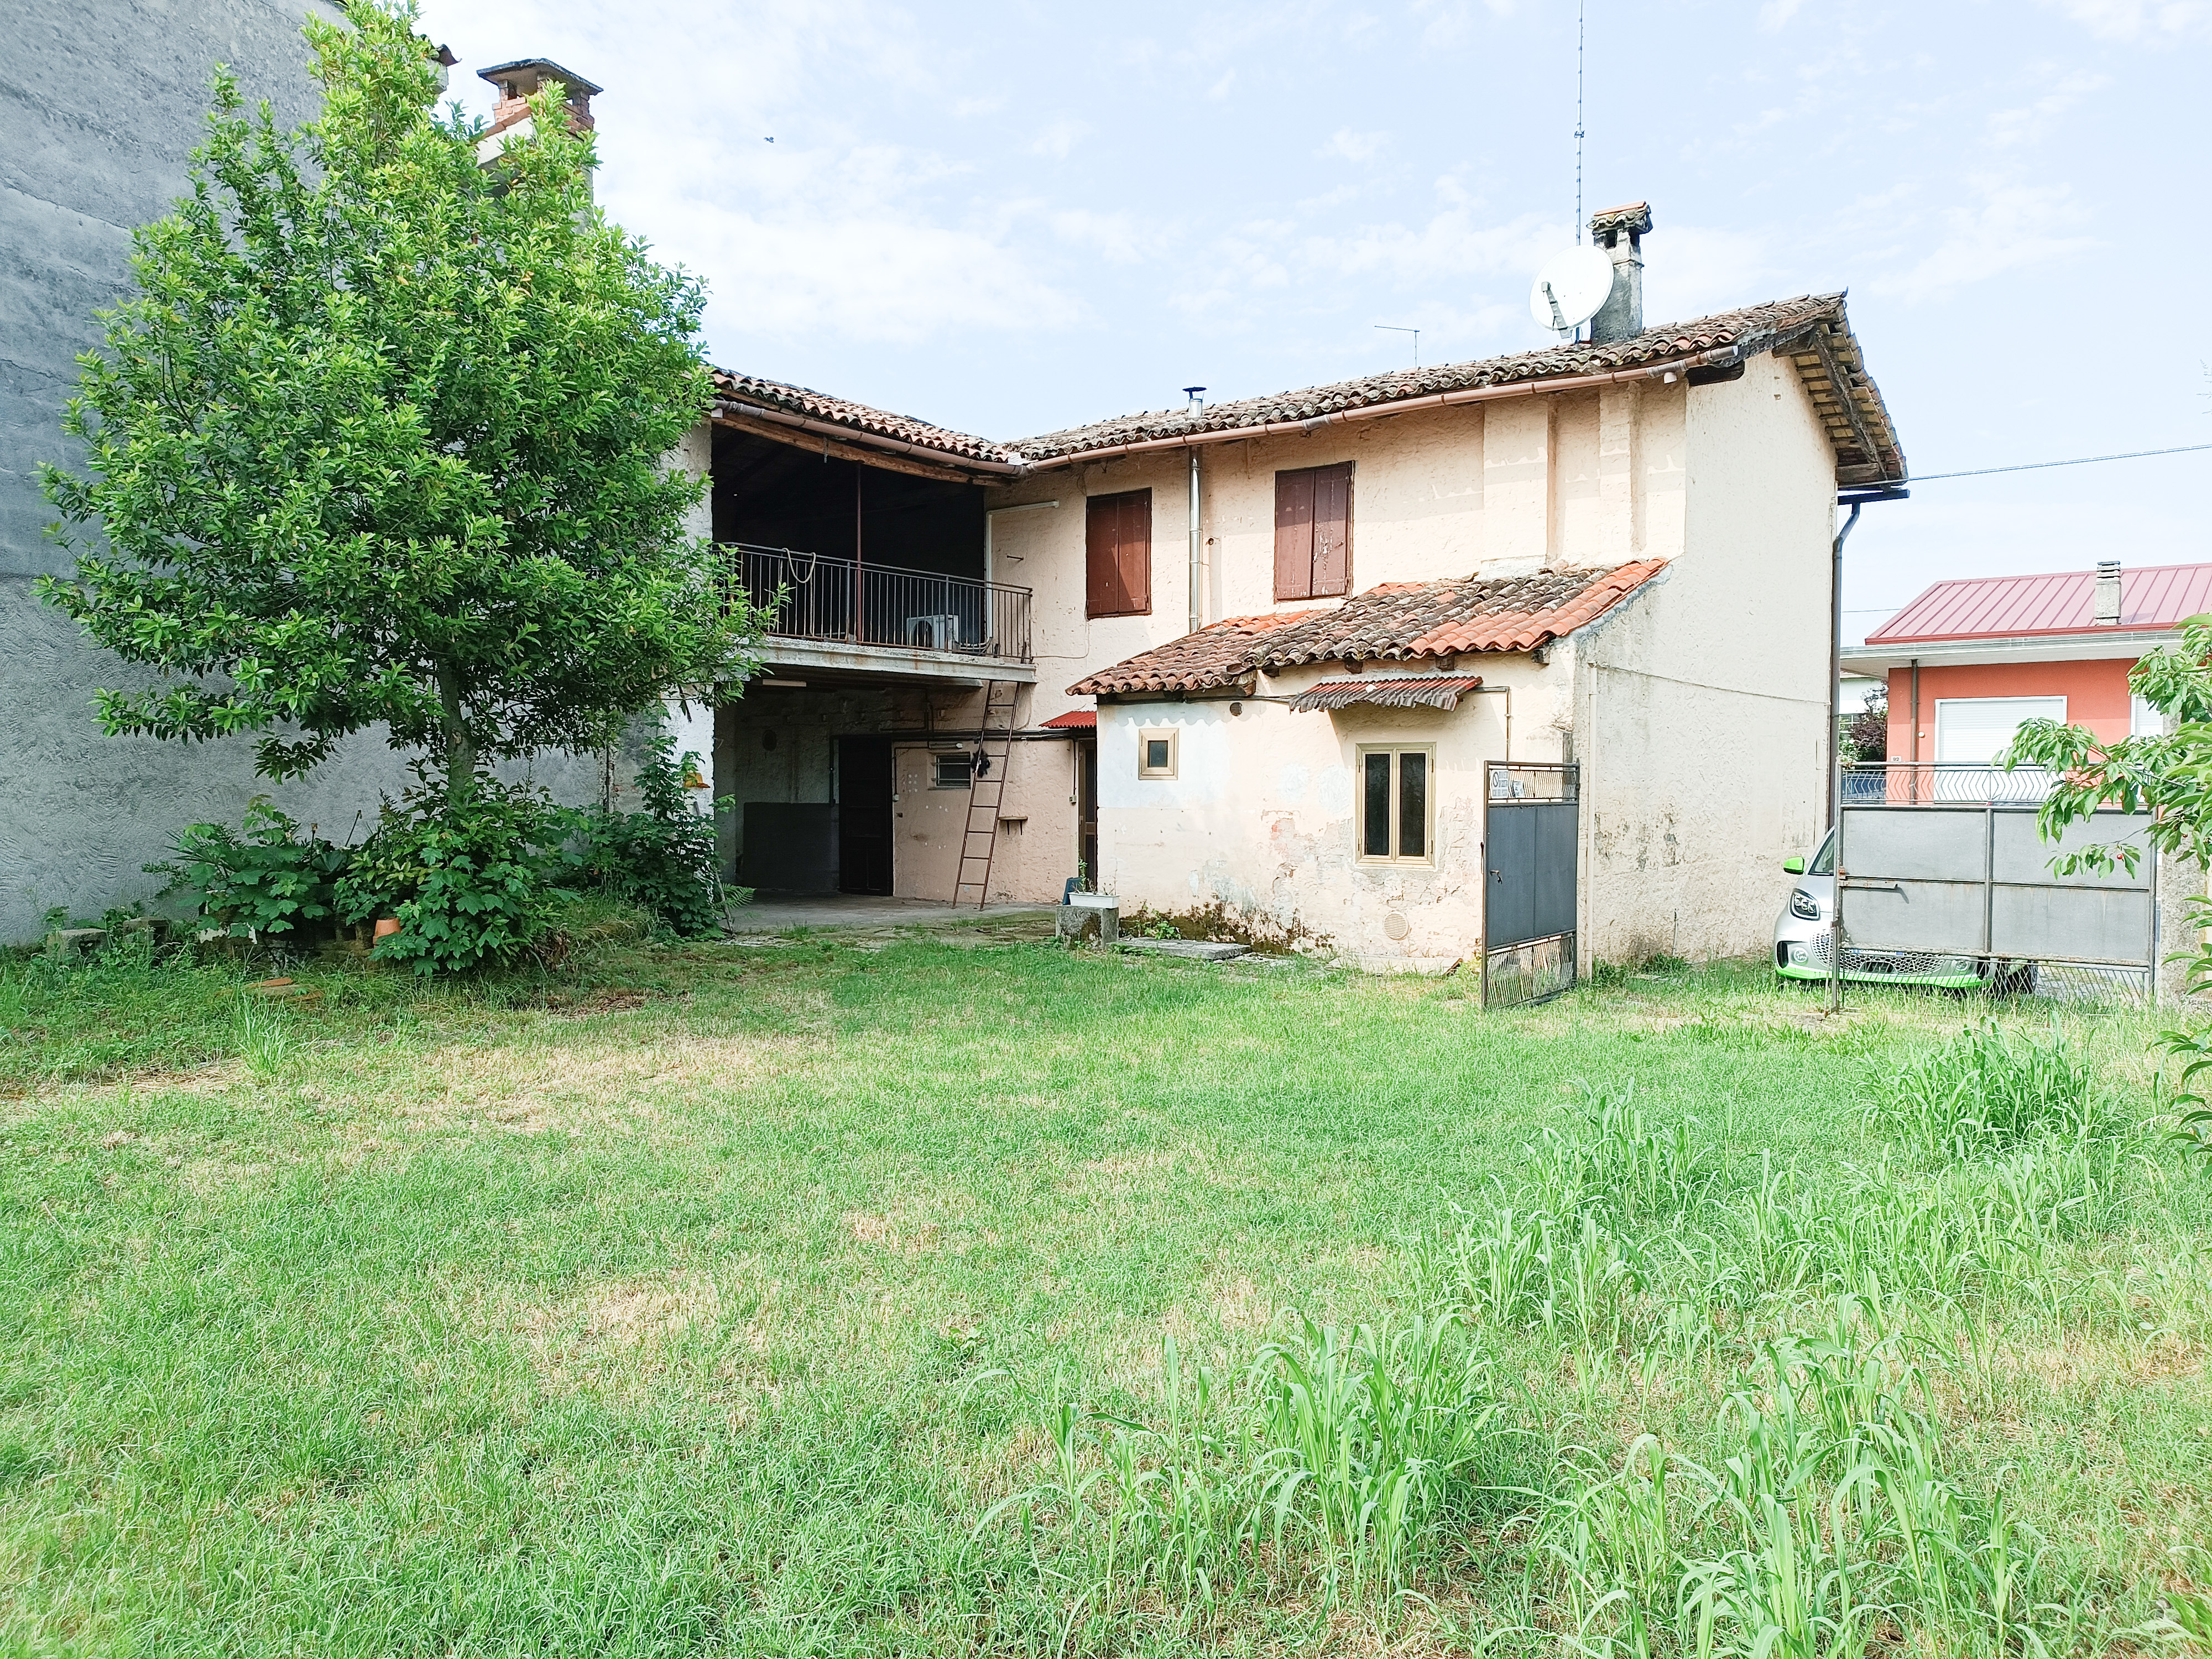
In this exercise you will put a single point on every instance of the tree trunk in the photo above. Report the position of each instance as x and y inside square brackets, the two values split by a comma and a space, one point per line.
[460, 742]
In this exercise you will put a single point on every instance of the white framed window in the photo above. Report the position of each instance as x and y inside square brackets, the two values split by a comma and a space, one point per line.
[1397, 796]
[2143, 721]
[1975, 731]
[955, 769]
[1157, 748]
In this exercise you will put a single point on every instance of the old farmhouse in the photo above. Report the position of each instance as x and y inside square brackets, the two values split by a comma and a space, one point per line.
[1280, 663]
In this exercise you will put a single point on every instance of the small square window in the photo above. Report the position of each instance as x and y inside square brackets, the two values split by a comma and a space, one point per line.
[955, 770]
[1396, 821]
[1156, 752]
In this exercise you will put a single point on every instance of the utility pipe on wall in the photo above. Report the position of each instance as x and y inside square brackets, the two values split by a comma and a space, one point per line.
[1196, 607]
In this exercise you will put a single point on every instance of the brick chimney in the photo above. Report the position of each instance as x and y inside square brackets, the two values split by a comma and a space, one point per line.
[2108, 594]
[1621, 232]
[517, 82]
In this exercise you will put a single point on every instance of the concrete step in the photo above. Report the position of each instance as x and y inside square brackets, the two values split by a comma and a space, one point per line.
[1195, 950]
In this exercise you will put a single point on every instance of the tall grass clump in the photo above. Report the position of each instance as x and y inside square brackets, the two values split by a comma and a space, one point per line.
[1335, 1467]
[1987, 1090]
[265, 1039]
[1827, 1528]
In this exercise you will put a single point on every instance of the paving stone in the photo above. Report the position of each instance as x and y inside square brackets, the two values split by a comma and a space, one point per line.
[1195, 949]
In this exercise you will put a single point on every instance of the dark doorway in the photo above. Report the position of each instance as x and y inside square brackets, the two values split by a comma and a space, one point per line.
[1087, 810]
[864, 816]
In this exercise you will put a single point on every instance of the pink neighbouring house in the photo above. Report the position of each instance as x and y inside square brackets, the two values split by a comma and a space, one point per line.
[1968, 660]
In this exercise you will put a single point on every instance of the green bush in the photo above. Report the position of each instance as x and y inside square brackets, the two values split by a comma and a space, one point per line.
[660, 858]
[265, 882]
[470, 881]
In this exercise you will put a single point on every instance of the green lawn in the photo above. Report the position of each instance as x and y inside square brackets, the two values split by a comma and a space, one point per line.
[814, 1299]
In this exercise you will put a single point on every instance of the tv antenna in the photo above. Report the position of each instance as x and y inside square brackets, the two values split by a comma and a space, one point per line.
[1573, 285]
[1582, 8]
[1395, 328]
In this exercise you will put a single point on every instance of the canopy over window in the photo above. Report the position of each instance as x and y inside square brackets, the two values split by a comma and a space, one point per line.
[1425, 691]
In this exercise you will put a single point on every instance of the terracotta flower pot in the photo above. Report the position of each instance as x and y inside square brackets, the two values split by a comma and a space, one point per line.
[387, 925]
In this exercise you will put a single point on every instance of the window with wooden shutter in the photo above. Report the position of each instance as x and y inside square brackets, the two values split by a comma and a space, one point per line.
[1118, 554]
[1313, 533]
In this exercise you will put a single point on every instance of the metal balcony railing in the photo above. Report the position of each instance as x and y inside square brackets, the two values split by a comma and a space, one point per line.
[811, 597]
[1942, 783]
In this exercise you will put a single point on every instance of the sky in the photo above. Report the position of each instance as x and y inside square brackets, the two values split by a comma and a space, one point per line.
[1010, 218]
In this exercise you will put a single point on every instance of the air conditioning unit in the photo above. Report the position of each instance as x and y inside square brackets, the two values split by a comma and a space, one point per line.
[938, 633]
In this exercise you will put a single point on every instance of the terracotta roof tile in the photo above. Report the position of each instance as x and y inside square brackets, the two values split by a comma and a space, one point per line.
[1075, 720]
[1811, 330]
[1403, 621]
[1217, 654]
[841, 411]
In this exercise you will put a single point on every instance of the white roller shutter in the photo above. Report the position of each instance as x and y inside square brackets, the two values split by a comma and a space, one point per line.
[1975, 731]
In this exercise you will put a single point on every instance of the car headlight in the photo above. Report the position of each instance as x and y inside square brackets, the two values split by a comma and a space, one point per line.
[1804, 906]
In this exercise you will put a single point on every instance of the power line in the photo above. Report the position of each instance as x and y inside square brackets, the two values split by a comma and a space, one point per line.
[2038, 466]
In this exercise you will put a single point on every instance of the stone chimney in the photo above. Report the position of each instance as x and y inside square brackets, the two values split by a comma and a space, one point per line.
[2108, 594]
[517, 82]
[1621, 232]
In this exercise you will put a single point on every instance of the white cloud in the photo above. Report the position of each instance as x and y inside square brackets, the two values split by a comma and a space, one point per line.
[2016, 126]
[1692, 270]
[2136, 20]
[2013, 227]
[1451, 247]
[1775, 13]
[1056, 140]
[1353, 146]
[827, 234]
[1123, 238]
[1222, 87]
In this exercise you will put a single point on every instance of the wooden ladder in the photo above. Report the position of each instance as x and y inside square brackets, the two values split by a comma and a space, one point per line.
[987, 793]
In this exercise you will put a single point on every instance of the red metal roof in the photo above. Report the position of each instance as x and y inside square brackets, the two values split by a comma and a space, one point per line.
[1075, 720]
[2062, 602]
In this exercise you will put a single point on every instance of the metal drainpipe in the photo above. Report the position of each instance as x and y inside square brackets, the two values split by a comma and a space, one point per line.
[1835, 664]
[1197, 608]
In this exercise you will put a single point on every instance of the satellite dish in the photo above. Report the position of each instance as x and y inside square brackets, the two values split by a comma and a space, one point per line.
[1570, 289]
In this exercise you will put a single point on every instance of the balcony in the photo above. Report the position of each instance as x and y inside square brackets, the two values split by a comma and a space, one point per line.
[844, 613]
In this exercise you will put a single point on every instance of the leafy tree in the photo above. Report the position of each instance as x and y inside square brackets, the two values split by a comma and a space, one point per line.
[383, 434]
[1866, 734]
[2167, 773]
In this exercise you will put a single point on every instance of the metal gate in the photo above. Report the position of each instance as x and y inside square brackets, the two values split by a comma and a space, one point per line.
[1530, 841]
[1938, 889]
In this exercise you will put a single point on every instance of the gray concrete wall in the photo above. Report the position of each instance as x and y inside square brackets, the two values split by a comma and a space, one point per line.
[100, 103]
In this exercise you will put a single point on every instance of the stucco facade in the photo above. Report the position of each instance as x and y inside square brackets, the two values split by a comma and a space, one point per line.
[1696, 708]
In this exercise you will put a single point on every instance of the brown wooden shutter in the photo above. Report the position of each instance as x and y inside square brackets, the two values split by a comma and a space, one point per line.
[1294, 534]
[1137, 553]
[1117, 547]
[1332, 529]
[1101, 557]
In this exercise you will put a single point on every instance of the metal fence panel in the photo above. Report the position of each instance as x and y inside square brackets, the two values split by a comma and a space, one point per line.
[1531, 854]
[1939, 889]
[2085, 924]
[1942, 917]
[1922, 843]
[2022, 854]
